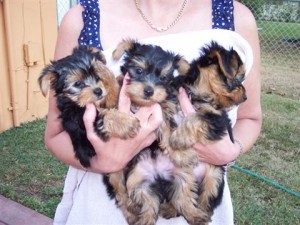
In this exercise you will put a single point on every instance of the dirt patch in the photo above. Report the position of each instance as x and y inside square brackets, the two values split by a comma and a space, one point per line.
[281, 81]
[274, 82]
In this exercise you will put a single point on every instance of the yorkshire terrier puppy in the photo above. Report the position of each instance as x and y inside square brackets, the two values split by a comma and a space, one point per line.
[214, 83]
[152, 71]
[83, 78]
[151, 185]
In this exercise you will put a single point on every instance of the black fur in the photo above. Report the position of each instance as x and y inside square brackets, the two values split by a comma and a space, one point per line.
[72, 122]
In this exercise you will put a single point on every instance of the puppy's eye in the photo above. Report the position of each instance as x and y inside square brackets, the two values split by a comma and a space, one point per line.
[162, 78]
[139, 71]
[79, 84]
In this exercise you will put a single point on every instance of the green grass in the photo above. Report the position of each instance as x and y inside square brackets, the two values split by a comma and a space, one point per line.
[278, 30]
[29, 173]
[275, 156]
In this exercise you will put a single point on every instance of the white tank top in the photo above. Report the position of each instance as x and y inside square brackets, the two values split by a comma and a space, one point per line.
[85, 200]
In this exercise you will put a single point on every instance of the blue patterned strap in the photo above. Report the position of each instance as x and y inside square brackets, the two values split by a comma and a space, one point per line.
[91, 18]
[222, 14]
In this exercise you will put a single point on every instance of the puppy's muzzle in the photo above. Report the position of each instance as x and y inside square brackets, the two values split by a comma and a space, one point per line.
[148, 91]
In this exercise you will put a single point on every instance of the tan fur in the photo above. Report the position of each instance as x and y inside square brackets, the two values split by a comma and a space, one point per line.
[135, 91]
[210, 183]
[110, 83]
[183, 67]
[45, 83]
[142, 203]
[120, 124]
[185, 196]
[121, 48]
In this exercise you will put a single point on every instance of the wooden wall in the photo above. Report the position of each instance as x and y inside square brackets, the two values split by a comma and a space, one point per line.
[28, 31]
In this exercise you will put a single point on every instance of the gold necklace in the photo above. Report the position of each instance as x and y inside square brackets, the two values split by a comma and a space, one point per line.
[160, 29]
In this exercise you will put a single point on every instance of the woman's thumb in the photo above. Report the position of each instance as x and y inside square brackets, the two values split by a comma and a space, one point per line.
[89, 117]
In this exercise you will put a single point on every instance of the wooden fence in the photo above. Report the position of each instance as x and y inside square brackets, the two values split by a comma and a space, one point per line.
[28, 31]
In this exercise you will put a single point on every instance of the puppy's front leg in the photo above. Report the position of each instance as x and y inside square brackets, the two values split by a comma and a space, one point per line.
[191, 130]
[82, 147]
[113, 123]
[206, 125]
[187, 133]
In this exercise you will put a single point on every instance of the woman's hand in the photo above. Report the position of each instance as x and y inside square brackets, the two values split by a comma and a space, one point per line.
[113, 155]
[217, 153]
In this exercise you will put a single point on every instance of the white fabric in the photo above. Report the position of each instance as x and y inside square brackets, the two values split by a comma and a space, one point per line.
[85, 200]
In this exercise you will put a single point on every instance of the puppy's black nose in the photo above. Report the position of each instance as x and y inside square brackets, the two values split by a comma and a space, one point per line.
[98, 92]
[148, 91]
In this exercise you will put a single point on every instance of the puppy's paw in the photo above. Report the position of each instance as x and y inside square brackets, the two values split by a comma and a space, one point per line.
[168, 211]
[129, 127]
[100, 130]
[84, 154]
[116, 124]
[179, 141]
[133, 207]
[198, 220]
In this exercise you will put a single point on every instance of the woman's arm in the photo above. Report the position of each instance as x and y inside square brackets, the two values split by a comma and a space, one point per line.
[56, 139]
[248, 126]
[249, 117]
[110, 156]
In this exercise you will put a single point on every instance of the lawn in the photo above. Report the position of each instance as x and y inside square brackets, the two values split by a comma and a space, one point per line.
[29, 173]
[275, 156]
[279, 30]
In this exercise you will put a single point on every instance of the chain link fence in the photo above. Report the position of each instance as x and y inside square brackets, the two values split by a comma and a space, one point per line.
[279, 32]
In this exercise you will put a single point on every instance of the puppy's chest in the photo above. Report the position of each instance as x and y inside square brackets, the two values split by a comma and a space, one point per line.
[70, 112]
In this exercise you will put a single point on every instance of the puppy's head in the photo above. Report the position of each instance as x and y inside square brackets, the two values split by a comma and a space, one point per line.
[151, 70]
[219, 74]
[82, 78]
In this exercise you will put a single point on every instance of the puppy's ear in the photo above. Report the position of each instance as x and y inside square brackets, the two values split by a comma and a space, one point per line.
[193, 72]
[110, 83]
[122, 47]
[183, 66]
[47, 78]
[229, 63]
[120, 79]
[239, 65]
[98, 54]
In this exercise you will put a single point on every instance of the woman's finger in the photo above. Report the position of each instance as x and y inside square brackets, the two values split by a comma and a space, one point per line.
[150, 116]
[124, 101]
[185, 103]
[156, 116]
[89, 117]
